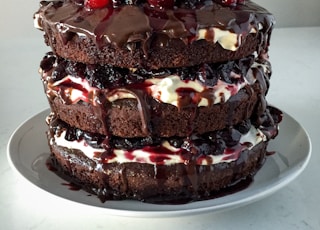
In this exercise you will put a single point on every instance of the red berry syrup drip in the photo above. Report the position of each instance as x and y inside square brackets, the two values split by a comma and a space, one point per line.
[231, 2]
[99, 30]
[96, 4]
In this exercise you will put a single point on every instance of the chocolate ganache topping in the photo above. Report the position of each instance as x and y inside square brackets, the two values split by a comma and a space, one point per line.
[141, 26]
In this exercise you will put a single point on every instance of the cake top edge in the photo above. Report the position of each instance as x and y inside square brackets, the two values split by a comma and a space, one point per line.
[160, 4]
[133, 22]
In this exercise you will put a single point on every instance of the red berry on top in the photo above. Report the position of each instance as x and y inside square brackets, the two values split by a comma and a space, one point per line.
[167, 4]
[95, 4]
[229, 2]
[232, 2]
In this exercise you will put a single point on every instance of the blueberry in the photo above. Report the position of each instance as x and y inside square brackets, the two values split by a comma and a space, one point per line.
[59, 72]
[176, 142]
[220, 146]
[230, 136]
[75, 69]
[47, 62]
[93, 140]
[244, 126]
[207, 75]
[187, 73]
[204, 148]
[71, 134]
[217, 143]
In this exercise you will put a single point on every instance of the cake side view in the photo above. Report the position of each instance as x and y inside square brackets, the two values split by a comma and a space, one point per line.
[159, 101]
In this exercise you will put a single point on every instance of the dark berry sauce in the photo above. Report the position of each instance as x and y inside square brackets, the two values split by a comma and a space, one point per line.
[110, 77]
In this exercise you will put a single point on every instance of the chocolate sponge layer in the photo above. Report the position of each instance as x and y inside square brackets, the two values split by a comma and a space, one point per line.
[156, 183]
[175, 54]
[123, 116]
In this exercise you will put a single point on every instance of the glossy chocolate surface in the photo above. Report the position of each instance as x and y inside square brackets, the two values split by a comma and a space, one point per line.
[129, 25]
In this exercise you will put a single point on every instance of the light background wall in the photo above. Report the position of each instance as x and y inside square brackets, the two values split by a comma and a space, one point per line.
[291, 13]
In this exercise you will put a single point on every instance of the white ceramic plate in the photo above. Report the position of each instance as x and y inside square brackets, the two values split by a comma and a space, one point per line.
[28, 152]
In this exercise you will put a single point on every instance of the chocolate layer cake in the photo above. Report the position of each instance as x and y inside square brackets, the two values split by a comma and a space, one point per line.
[157, 100]
[137, 33]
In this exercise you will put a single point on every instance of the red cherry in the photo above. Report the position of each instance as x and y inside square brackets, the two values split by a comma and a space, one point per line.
[95, 4]
[232, 2]
[229, 2]
[167, 4]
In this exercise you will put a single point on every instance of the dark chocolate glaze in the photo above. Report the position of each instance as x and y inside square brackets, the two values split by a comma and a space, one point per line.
[140, 25]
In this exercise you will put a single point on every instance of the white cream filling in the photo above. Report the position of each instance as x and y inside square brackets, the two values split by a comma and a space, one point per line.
[228, 40]
[247, 141]
[162, 89]
[165, 90]
[36, 22]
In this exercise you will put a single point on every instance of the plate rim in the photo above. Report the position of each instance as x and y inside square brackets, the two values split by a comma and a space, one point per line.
[282, 182]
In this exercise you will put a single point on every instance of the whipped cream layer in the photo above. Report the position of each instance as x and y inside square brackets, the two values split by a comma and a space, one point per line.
[165, 154]
[171, 89]
[166, 89]
[228, 40]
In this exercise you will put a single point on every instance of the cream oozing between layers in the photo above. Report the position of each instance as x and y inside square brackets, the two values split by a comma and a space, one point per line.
[228, 40]
[165, 154]
[166, 90]
[73, 89]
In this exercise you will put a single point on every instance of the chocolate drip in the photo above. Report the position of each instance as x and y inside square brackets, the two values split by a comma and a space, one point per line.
[263, 88]
[191, 171]
[144, 110]
[143, 107]
[101, 110]
[139, 23]
[123, 179]
[99, 30]
[250, 92]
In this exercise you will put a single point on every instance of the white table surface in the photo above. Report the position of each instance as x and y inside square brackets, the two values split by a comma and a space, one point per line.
[295, 88]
